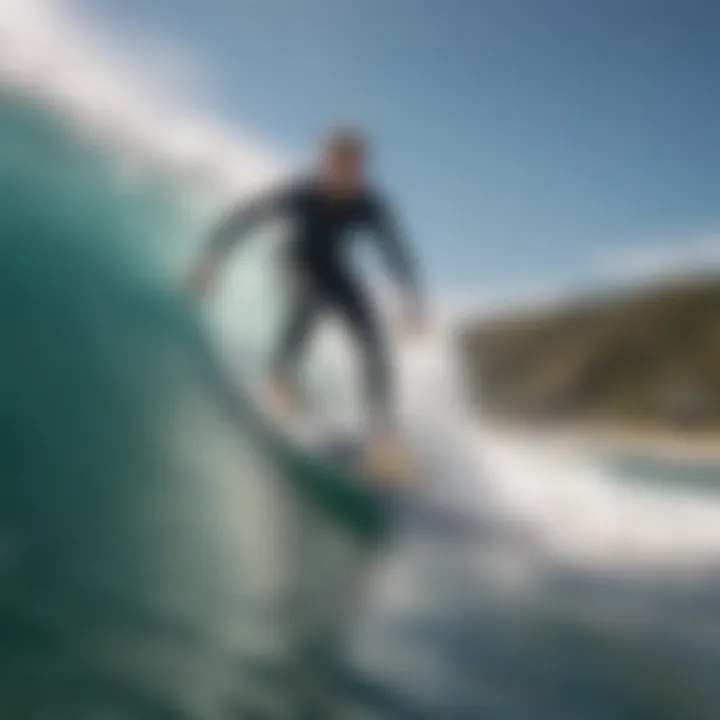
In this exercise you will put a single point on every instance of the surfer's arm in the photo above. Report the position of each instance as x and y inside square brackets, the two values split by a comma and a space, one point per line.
[235, 224]
[243, 218]
[394, 248]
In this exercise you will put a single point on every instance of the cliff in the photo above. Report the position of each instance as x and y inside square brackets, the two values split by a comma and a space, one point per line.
[649, 358]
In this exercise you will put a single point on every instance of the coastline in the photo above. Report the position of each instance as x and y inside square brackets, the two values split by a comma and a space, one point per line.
[699, 446]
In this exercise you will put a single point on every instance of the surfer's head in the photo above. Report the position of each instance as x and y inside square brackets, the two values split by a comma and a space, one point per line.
[343, 160]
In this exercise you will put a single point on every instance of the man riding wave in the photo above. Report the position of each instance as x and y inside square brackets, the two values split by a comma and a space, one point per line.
[325, 210]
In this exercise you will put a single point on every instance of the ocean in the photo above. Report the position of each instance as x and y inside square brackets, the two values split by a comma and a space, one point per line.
[157, 560]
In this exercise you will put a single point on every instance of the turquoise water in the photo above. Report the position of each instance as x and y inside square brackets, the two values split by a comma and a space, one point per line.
[148, 548]
[158, 560]
[667, 474]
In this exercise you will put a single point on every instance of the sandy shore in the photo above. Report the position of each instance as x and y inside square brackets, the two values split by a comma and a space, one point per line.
[696, 446]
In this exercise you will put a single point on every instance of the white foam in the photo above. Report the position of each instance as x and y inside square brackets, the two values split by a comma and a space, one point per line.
[48, 51]
[569, 507]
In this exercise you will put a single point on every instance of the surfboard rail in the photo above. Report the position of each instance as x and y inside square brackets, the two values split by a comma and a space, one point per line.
[347, 497]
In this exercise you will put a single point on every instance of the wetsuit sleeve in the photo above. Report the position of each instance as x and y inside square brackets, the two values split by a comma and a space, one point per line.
[392, 243]
[242, 218]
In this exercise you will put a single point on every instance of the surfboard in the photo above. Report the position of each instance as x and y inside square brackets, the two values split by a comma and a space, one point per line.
[323, 467]
[333, 481]
[336, 455]
[384, 460]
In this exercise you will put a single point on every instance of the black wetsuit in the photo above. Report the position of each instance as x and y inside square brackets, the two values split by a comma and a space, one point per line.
[321, 275]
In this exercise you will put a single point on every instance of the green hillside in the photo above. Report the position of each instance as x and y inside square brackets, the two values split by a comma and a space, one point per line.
[651, 357]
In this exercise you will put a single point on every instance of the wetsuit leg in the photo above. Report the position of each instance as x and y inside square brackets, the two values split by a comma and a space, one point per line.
[304, 313]
[347, 297]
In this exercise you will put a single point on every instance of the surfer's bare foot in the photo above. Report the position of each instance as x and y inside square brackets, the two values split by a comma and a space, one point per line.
[282, 398]
[387, 459]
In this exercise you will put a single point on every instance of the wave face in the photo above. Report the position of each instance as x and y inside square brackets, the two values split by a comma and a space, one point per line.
[155, 562]
[151, 562]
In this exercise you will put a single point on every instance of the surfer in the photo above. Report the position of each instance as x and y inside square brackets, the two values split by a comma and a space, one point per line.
[325, 209]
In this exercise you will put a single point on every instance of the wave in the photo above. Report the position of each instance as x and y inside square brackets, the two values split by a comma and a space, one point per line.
[145, 534]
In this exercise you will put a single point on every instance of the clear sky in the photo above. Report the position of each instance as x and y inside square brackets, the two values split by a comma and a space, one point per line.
[525, 141]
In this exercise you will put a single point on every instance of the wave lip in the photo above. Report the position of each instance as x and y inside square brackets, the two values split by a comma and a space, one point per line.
[48, 54]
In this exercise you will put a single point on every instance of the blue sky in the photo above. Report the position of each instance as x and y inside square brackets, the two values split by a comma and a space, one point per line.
[525, 141]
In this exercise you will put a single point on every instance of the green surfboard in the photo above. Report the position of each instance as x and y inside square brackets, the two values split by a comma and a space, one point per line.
[340, 491]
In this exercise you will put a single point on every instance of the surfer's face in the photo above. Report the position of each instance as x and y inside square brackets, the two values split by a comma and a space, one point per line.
[343, 169]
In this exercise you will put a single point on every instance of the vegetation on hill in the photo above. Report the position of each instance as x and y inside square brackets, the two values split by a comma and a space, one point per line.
[651, 357]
